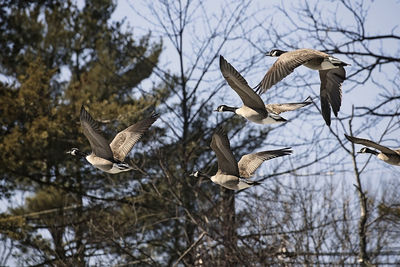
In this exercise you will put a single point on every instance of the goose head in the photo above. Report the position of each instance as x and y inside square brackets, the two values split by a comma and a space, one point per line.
[195, 174]
[223, 108]
[199, 174]
[275, 53]
[76, 152]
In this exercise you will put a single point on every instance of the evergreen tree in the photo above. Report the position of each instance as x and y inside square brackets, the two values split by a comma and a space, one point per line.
[151, 216]
[56, 57]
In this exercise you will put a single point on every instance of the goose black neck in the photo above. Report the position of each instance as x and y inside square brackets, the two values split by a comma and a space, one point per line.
[230, 109]
[370, 151]
[202, 174]
[78, 153]
[81, 154]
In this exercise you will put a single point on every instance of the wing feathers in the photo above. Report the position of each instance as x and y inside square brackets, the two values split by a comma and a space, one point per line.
[226, 161]
[249, 163]
[240, 85]
[283, 107]
[331, 91]
[285, 65]
[370, 143]
[91, 129]
[123, 142]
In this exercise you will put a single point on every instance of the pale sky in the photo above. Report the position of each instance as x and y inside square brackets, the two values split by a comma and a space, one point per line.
[383, 17]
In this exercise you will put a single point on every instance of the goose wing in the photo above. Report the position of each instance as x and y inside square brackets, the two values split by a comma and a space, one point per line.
[331, 91]
[285, 65]
[240, 85]
[283, 107]
[123, 142]
[226, 161]
[91, 129]
[369, 143]
[249, 163]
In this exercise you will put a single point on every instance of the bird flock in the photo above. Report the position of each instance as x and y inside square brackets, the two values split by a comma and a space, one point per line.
[111, 157]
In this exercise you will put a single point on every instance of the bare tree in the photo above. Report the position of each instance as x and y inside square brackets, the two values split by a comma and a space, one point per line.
[294, 229]
[312, 25]
[323, 205]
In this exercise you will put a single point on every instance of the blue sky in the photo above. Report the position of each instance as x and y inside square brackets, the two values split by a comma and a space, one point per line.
[382, 18]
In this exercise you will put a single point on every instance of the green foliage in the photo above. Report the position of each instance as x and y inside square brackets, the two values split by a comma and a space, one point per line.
[26, 123]
[61, 57]
[390, 213]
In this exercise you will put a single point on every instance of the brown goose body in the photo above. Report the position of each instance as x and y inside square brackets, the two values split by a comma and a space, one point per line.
[107, 157]
[253, 108]
[390, 156]
[331, 72]
[232, 174]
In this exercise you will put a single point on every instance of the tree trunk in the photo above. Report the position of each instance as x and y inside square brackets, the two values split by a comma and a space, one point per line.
[228, 227]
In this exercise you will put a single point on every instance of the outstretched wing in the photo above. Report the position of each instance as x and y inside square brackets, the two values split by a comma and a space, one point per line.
[226, 161]
[331, 91]
[369, 143]
[91, 129]
[240, 85]
[123, 142]
[283, 107]
[285, 65]
[249, 163]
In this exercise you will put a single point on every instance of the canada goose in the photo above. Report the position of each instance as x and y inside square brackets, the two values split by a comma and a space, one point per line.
[110, 157]
[387, 155]
[231, 174]
[331, 74]
[253, 107]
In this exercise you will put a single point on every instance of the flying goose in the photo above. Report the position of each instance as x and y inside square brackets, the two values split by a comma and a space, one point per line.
[387, 155]
[110, 157]
[253, 107]
[331, 74]
[231, 174]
